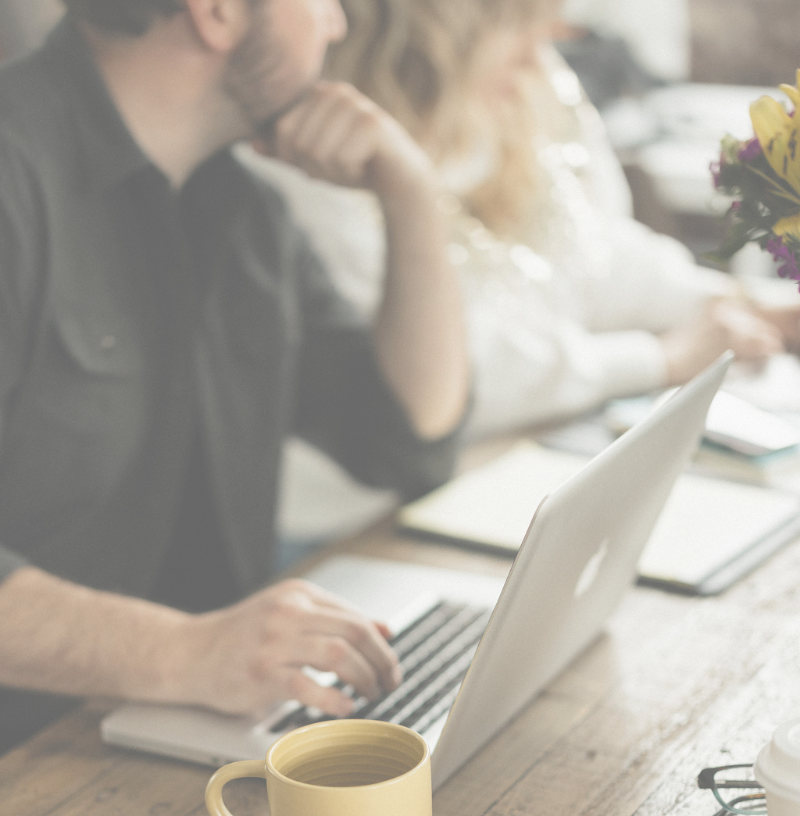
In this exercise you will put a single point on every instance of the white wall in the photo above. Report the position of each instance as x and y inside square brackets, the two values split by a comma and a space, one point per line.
[23, 23]
[657, 31]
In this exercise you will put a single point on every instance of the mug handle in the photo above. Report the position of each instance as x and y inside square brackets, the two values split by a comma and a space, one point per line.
[236, 770]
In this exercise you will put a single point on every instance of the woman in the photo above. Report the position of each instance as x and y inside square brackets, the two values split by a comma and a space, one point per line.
[571, 302]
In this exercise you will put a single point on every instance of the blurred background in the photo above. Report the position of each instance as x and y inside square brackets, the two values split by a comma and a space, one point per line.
[669, 76]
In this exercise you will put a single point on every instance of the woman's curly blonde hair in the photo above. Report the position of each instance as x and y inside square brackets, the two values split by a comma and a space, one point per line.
[415, 58]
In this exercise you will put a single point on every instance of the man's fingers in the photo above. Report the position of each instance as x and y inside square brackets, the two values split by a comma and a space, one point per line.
[364, 637]
[326, 128]
[299, 128]
[328, 653]
[307, 626]
[328, 600]
[356, 153]
[298, 686]
[332, 134]
[285, 132]
[385, 631]
[298, 134]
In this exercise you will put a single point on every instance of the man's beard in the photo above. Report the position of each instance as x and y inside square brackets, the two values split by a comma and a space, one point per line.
[253, 78]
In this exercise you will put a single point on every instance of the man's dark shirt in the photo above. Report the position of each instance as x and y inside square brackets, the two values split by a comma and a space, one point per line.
[146, 333]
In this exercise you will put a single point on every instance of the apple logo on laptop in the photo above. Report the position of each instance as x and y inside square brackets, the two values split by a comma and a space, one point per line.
[592, 569]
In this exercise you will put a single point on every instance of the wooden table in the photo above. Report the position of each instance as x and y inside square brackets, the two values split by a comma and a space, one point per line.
[676, 684]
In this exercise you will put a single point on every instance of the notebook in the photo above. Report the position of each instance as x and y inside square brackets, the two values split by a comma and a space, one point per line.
[710, 533]
[742, 441]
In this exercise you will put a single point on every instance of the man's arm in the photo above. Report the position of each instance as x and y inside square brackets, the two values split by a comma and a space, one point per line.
[420, 336]
[63, 638]
[339, 135]
[60, 637]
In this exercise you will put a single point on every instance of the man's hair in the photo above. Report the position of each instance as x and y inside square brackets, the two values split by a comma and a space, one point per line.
[131, 17]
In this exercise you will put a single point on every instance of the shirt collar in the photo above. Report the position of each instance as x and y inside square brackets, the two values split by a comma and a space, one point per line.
[109, 152]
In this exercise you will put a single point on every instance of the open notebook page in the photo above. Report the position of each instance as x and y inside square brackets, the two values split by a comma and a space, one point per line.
[706, 524]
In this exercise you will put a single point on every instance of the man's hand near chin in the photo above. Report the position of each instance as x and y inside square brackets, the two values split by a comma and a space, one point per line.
[63, 638]
[337, 134]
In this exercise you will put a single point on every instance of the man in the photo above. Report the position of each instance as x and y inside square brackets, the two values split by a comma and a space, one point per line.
[163, 325]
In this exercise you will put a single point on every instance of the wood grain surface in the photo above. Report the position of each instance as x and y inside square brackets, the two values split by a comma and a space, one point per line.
[676, 684]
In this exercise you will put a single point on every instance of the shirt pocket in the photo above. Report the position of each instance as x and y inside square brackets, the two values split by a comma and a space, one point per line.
[100, 348]
[76, 425]
[89, 376]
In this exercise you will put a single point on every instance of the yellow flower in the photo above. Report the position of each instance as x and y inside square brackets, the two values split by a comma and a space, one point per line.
[777, 133]
[789, 228]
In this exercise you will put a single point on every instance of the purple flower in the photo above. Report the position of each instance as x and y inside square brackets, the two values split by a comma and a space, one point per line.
[736, 206]
[781, 253]
[750, 151]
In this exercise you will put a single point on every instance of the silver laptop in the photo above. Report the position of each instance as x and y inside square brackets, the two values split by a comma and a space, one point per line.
[476, 650]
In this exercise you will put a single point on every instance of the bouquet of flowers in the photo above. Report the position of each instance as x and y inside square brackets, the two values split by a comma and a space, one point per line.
[762, 175]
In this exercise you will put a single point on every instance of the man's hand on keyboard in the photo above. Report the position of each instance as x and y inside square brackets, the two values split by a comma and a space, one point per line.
[250, 655]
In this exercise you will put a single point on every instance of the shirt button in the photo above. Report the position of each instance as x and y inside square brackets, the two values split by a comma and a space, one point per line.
[108, 342]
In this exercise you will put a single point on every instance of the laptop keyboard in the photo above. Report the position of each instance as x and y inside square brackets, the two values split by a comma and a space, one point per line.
[435, 652]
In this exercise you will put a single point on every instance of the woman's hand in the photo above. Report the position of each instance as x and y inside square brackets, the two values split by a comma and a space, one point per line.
[786, 320]
[723, 325]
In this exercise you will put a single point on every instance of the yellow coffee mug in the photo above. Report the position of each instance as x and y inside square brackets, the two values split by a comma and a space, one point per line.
[339, 768]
